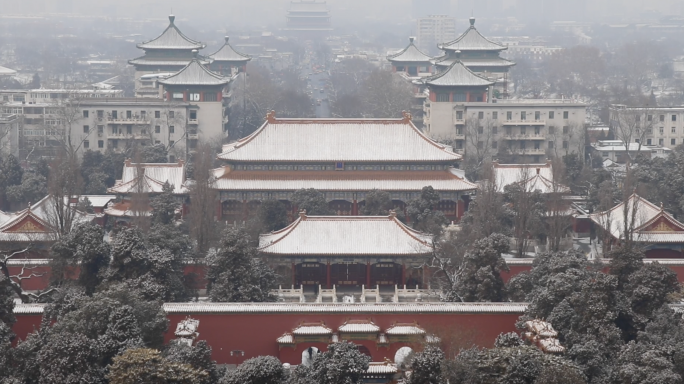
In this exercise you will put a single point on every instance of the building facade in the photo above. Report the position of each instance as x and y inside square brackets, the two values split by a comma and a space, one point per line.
[342, 158]
[308, 18]
[433, 30]
[661, 126]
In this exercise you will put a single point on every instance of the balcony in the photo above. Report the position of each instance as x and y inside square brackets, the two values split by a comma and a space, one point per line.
[524, 122]
[124, 136]
[193, 136]
[194, 121]
[128, 120]
[458, 121]
[526, 136]
[528, 151]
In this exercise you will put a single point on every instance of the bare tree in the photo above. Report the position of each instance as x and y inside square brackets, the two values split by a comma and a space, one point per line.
[26, 272]
[632, 125]
[479, 135]
[140, 199]
[65, 184]
[61, 125]
[203, 197]
[527, 210]
[557, 217]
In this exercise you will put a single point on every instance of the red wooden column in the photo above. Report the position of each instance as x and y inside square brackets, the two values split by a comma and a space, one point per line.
[368, 271]
[294, 272]
[327, 276]
[355, 208]
[403, 274]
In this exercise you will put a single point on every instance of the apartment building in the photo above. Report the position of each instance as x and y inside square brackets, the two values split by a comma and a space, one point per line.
[9, 133]
[662, 126]
[433, 30]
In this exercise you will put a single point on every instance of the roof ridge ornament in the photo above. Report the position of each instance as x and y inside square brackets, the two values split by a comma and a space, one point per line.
[302, 214]
[271, 117]
[472, 22]
[407, 116]
[172, 18]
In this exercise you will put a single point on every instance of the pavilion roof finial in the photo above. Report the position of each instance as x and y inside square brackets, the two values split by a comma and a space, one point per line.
[411, 39]
[172, 18]
[472, 21]
[227, 39]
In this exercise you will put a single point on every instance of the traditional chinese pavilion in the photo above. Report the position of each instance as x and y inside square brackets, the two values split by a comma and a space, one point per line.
[534, 177]
[457, 84]
[168, 53]
[479, 54]
[411, 61]
[660, 234]
[227, 61]
[349, 251]
[342, 158]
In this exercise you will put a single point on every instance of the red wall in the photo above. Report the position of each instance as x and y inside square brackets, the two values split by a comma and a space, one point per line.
[256, 334]
[25, 324]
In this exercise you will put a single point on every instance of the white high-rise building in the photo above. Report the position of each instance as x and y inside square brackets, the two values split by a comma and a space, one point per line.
[433, 30]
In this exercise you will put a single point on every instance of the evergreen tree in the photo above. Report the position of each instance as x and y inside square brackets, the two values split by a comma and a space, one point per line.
[378, 203]
[342, 363]
[83, 247]
[426, 366]
[424, 214]
[312, 201]
[481, 271]
[235, 274]
[258, 370]
[70, 358]
[272, 216]
[198, 356]
[164, 206]
[141, 365]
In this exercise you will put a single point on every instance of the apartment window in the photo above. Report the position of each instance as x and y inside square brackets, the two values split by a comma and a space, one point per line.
[494, 144]
[566, 114]
[86, 144]
[536, 130]
[674, 129]
[508, 131]
[86, 129]
[442, 97]
[172, 114]
[114, 130]
[459, 130]
[566, 129]
[537, 144]
[193, 115]
[100, 143]
[480, 130]
[552, 130]
[551, 114]
[495, 130]
[192, 144]
[648, 141]
[535, 159]
[661, 141]
[523, 115]
[604, 154]
[509, 116]
[459, 144]
[143, 114]
[649, 130]
[157, 129]
[662, 117]
[129, 129]
[495, 115]
[661, 130]
[100, 129]
[129, 114]
[565, 145]
[459, 115]
[673, 141]
[172, 129]
[86, 113]
[649, 117]
[523, 130]
[100, 114]
[550, 144]
[638, 117]
[537, 115]
[157, 114]
[115, 114]
[522, 144]
[674, 117]
[480, 115]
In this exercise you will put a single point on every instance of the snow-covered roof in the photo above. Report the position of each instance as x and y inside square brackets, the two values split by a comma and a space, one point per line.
[153, 178]
[652, 224]
[172, 38]
[409, 54]
[195, 74]
[33, 224]
[405, 329]
[146, 60]
[445, 61]
[446, 180]
[346, 235]
[307, 140]
[286, 339]
[551, 345]
[98, 200]
[228, 53]
[379, 368]
[358, 326]
[4, 71]
[457, 75]
[472, 40]
[29, 309]
[311, 308]
[187, 328]
[533, 176]
[125, 209]
[541, 328]
[312, 329]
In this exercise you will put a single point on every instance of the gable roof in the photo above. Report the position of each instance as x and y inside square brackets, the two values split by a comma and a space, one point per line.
[346, 235]
[153, 178]
[195, 74]
[472, 40]
[636, 208]
[409, 54]
[534, 176]
[228, 53]
[307, 140]
[172, 38]
[457, 75]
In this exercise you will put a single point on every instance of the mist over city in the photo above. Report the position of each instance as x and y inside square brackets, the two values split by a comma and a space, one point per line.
[342, 191]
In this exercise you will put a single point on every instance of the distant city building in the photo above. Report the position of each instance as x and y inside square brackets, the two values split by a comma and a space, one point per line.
[227, 61]
[524, 48]
[652, 126]
[308, 17]
[433, 30]
[9, 133]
